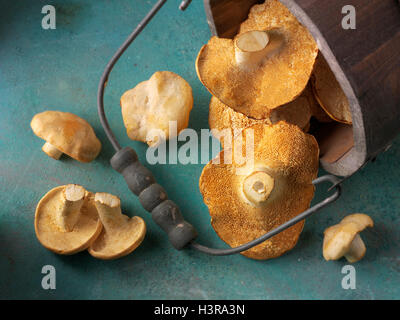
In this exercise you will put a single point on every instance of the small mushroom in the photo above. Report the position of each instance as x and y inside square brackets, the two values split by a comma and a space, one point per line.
[343, 239]
[267, 65]
[221, 117]
[66, 220]
[66, 133]
[245, 204]
[149, 108]
[121, 234]
[328, 92]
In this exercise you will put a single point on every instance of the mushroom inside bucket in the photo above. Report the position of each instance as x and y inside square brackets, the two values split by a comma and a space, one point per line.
[335, 138]
[332, 120]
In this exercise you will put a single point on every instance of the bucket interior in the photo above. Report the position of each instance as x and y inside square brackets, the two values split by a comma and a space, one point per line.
[334, 139]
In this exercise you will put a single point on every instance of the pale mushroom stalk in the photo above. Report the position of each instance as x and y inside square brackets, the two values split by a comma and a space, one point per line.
[109, 210]
[251, 48]
[51, 151]
[274, 189]
[356, 250]
[267, 64]
[257, 187]
[73, 197]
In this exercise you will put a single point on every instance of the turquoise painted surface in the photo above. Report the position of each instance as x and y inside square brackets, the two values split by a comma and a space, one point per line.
[59, 69]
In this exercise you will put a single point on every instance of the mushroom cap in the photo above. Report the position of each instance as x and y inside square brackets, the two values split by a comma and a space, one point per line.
[67, 132]
[221, 117]
[279, 80]
[85, 231]
[328, 92]
[362, 220]
[316, 110]
[153, 103]
[338, 238]
[297, 112]
[118, 240]
[286, 154]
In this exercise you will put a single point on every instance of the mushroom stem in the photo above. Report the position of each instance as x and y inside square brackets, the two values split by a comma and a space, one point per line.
[51, 151]
[109, 209]
[72, 200]
[254, 47]
[258, 186]
[251, 49]
[356, 250]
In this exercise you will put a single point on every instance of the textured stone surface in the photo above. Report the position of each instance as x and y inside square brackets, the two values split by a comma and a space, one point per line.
[60, 69]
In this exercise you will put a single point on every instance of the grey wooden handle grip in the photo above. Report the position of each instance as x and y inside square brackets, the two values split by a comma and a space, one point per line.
[153, 198]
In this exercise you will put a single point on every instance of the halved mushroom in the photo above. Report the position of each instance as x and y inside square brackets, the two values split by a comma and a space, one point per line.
[66, 133]
[267, 65]
[121, 234]
[329, 93]
[66, 220]
[149, 108]
[245, 204]
[227, 123]
[343, 239]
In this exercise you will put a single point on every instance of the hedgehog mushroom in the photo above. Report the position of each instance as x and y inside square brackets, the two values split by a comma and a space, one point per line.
[66, 133]
[317, 111]
[329, 93]
[247, 200]
[66, 220]
[343, 239]
[121, 234]
[226, 123]
[267, 65]
[150, 107]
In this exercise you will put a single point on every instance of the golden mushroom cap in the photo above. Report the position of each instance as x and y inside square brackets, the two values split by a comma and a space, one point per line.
[226, 123]
[289, 158]
[278, 80]
[68, 133]
[297, 112]
[329, 93]
[222, 118]
[84, 232]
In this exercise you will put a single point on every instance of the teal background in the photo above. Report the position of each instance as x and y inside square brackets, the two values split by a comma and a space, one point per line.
[59, 70]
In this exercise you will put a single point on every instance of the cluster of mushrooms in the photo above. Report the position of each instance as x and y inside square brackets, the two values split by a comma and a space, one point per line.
[70, 219]
[270, 79]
